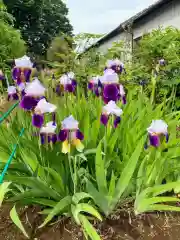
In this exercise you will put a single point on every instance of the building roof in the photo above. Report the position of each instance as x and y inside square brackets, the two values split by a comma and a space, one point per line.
[131, 20]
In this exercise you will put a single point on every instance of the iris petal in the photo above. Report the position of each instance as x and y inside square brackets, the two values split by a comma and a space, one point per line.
[54, 138]
[74, 83]
[27, 74]
[124, 99]
[28, 103]
[69, 88]
[16, 73]
[154, 140]
[42, 137]
[65, 147]
[117, 121]
[79, 135]
[104, 119]
[167, 137]
[37, 120]
[78, 144]
[110, 92]
[63, 134]
[90, 86]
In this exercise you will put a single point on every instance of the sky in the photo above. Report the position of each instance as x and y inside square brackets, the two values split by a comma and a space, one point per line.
[102, 16]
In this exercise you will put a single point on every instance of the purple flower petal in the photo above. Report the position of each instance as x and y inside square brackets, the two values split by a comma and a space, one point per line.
[111, 92]
[79, 135]
[54, 138]
[43, 138]
[28, 103]
[16, 73]
[96, 91]
[117, 121]
[90, 86]
[104, 119]
[2, 77]
[27, 74]
[74, 83]
[63, 134]
[114, 68]
[54, 118]
[167, 137]
[124, 99]
[49, 139]
[69, 88]
[23, 93]
[37, 120]
[154, 140]
[15, 96]
[58, 89]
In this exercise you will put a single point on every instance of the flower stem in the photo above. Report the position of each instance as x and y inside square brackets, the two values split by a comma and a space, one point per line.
[70, 166]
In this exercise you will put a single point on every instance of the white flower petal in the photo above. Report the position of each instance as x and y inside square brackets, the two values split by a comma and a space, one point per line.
[24, 62]
[118, 63]
[121, 90]
[45, 107]
[110, 63]
[158, 126]
[35, 88]
[95, 79]
[49, 128]
[110, 77]
[112, 108]
[71, 75]
[21, 86]
[65, 80]
[11, 90]
[70, 123]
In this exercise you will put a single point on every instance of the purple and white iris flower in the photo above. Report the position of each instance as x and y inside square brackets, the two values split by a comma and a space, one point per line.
[71, 75]
[110, 83]
[156, 131]
[70, 135]
[111, 109]
[22, 70]
[67, 83]
[41, 108]
[34, 92]
[162, 62]
[112, 90]
[47, 133]
[92, 82]
[116, 65]
[95, 85]
[12, 93]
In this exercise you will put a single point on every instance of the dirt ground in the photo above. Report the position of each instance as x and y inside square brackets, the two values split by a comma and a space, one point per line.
[121, 225]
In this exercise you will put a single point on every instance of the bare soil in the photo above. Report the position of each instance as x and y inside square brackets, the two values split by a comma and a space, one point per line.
[121, 225]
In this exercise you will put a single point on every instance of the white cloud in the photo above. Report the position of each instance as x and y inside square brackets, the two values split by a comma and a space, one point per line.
[101, 16]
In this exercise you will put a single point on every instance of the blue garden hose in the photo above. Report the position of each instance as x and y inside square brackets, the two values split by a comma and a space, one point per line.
[6, 114]
[10, 158]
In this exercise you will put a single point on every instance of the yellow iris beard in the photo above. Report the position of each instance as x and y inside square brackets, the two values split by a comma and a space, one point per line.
[66, 146]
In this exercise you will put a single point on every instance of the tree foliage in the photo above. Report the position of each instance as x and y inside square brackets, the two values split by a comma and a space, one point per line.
[39, 21]
[61, 52]
[11, 44]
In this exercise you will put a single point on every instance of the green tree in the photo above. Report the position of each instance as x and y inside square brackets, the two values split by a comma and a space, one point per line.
[39, 21]
[11, 44]
[61, 52]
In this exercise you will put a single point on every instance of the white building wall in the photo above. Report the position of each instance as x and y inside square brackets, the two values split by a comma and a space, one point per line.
[168, 15]
[103, 48]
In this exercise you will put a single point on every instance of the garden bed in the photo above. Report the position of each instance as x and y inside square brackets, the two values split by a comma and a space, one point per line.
[121, 225]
